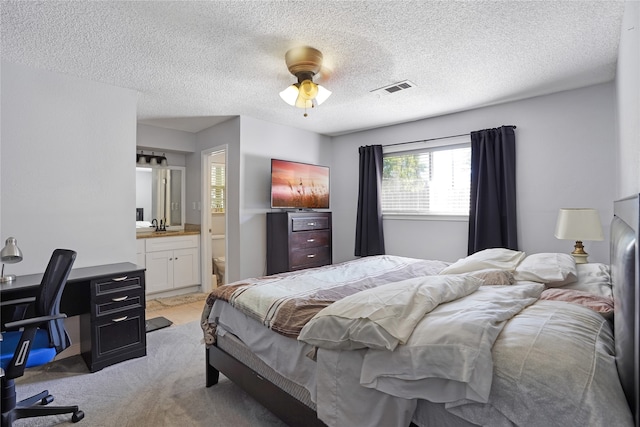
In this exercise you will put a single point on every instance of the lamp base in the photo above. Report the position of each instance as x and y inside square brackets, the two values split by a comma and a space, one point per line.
[579, 254]
[580, 258]
[8, 278]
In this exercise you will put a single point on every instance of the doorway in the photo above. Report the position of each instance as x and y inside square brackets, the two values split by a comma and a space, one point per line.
[214, 218]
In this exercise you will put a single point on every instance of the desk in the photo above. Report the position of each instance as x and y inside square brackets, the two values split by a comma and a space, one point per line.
[110, 300]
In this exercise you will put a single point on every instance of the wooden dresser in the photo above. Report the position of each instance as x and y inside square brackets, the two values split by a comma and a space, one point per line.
[298, 240]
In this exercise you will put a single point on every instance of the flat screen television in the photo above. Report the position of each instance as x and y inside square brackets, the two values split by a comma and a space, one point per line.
[296, 185]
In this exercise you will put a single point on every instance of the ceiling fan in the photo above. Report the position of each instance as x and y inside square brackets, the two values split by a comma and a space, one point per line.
[304, 62]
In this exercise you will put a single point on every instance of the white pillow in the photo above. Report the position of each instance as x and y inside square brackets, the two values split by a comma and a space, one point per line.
[501, 258]
[594, 278]
[552, 269]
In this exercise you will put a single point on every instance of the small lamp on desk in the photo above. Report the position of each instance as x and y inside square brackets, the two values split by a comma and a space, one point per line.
[579, 224]
[10, 254]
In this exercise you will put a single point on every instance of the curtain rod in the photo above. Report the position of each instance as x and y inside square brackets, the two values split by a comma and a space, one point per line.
[435, 139]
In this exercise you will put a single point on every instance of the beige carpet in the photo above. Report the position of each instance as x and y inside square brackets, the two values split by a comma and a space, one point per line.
[161, 303]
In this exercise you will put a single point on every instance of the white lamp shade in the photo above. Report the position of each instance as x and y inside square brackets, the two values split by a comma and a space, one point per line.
[323, 94]
[579, 224]
[289, 95]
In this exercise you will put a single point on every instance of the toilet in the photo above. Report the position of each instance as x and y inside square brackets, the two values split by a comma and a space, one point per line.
[218, 256]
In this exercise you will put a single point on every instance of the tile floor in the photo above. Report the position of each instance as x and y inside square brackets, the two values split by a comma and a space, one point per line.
[179, 314]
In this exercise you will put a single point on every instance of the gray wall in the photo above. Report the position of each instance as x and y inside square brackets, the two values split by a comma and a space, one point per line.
[628, 103]
[251, 143]
[565, 158]
[68, 168]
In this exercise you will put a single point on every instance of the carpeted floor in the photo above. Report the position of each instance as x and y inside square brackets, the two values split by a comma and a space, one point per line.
[165, 388]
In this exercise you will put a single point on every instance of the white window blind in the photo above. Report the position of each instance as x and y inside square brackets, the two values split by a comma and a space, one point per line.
[427, 181]
[217, 188]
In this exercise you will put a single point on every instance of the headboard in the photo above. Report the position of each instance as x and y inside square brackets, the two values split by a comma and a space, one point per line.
[624, 278]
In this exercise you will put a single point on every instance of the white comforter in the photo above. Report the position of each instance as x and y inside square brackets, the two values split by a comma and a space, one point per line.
[446, 359]
[554, 366]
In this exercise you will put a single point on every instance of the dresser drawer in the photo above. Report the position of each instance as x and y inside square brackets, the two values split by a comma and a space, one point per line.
[118, 284]
[310, 257]
[310, 239]
[309, 223]
[112, 305]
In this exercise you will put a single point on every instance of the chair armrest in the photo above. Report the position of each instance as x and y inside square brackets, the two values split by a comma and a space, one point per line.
[34, 321]
[27, 300]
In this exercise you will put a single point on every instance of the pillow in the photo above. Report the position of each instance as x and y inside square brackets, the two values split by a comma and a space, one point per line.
[594, 278]
[500, 258]
[597, 303]
[494, 276]
[385, 316]
[552, 269]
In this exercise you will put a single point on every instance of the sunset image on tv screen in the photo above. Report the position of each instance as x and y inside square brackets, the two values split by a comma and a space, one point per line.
[299, 185]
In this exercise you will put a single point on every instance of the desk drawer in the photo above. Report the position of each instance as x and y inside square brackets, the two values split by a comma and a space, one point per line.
[309, 223]
[120, 333]
[113, 305]
[309, 239]
[310, 257]
[110, 285]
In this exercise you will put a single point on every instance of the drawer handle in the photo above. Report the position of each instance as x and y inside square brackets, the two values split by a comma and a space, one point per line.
[119, 279]
[311, 224]
[311, 256]
[311, 240]
[120, 298]
[119, 319]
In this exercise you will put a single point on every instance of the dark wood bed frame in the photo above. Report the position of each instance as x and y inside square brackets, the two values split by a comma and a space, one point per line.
[625, 269]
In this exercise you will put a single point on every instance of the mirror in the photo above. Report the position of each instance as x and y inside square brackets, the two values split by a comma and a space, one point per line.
[160, 195]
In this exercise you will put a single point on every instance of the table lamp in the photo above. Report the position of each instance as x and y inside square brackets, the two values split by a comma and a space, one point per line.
[10, 254]
[579, 224]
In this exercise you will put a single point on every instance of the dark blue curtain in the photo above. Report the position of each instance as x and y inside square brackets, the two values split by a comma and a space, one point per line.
[492, 216]
[369, 235]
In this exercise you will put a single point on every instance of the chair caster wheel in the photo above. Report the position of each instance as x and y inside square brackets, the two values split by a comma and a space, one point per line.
[77, 416]
[46, 400]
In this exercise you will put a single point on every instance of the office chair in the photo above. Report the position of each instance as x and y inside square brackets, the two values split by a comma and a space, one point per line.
[35, 341]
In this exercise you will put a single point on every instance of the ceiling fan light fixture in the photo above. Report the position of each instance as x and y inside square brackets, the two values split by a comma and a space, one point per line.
[304, 62]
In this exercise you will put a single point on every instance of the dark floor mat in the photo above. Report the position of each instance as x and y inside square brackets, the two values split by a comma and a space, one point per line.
[157, 323]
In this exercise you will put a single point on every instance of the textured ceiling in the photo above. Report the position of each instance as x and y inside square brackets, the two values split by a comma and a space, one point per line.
[196, 63]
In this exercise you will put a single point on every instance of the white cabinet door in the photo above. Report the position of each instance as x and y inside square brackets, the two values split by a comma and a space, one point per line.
[159, 275]
[185, 267]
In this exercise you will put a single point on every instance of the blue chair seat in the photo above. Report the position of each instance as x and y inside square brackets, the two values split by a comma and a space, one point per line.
[41, 352]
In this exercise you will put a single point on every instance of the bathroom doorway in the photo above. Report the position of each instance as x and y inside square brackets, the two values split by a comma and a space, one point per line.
[214, 220]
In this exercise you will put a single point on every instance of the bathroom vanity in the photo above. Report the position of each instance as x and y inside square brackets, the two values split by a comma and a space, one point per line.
[172, 260]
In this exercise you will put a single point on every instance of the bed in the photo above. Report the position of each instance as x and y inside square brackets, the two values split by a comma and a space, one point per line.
[511, 339]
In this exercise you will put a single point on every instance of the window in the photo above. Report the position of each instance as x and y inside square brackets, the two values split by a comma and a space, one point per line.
[217, 188]
[431, 180]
